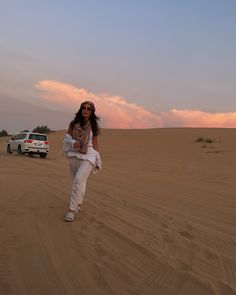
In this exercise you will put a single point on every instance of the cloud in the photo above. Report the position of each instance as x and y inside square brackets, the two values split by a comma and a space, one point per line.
[62, 93]
[116, 112]
[195, 118]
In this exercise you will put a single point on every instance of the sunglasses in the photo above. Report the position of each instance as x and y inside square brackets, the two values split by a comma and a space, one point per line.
[86, 108]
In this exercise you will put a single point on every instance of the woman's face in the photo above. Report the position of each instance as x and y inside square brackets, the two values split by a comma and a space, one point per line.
[86, 110]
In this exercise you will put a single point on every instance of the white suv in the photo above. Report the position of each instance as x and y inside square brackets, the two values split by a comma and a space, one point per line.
[29, 143]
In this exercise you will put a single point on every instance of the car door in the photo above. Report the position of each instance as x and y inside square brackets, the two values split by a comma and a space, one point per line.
[14, 143]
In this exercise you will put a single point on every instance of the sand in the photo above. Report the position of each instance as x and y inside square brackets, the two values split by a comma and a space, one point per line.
[160, 218]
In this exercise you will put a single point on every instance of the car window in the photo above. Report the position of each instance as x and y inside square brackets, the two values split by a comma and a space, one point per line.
[38, 137]
[21, 136]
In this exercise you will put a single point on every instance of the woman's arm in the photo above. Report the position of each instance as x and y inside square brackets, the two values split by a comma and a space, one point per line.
[69, 131]
[95, 143]
[75, 144]
[68, 143]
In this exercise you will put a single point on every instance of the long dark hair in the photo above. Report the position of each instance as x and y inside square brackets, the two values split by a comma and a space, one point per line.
[80, 119]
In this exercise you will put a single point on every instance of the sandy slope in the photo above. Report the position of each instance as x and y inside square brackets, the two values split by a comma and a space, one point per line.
[159, 219]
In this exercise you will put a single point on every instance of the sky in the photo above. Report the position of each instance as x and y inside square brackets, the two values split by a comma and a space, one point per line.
[145, 63]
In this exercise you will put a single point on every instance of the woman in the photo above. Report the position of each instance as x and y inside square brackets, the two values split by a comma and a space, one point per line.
[81, 148]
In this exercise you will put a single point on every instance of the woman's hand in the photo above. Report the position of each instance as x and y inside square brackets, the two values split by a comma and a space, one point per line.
[76, 145]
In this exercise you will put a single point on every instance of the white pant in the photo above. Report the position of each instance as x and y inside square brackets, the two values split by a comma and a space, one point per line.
[80, 170]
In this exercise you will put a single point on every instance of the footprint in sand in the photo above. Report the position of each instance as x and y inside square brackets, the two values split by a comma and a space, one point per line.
[226, 289]
[12, 241]
[183, 266]
[186, 234]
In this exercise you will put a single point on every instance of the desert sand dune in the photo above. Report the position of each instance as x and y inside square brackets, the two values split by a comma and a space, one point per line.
[160, 218]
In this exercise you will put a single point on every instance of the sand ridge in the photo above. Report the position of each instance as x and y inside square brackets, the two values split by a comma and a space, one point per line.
[160, 218]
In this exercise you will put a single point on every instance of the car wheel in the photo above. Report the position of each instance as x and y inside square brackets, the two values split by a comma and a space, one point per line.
[43, 156]
[19, 151]
[9, 149]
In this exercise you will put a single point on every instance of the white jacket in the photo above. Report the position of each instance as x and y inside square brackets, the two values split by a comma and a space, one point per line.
[92, 155]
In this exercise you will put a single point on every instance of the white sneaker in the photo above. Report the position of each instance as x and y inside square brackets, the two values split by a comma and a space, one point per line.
[70, 216]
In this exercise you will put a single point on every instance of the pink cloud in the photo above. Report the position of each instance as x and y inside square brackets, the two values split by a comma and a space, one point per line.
[61, 93]
[195, 118]
[116, 112]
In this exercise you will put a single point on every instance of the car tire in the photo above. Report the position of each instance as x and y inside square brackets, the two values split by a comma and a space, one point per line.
[19, 151]
[43, 156]
[9, 149]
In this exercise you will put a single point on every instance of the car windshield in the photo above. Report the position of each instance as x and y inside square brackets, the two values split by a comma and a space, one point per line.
[38, 137]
